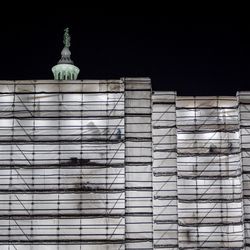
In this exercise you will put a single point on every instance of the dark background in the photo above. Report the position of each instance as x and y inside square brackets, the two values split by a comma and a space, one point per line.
[193, 54]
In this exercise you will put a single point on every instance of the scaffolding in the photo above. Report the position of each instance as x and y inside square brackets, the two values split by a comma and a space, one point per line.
[109, 165]
[62, 175]
[164, 171]
[210, 207]
[138, 164]
[244, 111]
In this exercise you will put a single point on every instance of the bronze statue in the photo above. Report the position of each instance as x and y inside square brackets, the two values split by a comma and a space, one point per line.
[66, 38]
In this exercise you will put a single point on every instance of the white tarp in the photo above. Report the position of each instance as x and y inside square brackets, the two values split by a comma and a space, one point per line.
[62, 166]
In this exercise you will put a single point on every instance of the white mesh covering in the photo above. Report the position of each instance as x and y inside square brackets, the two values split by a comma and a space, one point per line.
[164, 171]
[107, 165]
[210, 209]
[244, 111]
[138, 152]
[62, 165]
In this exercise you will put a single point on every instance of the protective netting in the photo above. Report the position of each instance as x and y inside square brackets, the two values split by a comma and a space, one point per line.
[210, 208]
[164, 171]
[244, 112]
[62, 166]
[107, 165]
[138, 161]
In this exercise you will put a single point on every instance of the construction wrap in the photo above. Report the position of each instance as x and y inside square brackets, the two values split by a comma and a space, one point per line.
[62, 166]
[164, 171]
[209, 186]
[109, 165]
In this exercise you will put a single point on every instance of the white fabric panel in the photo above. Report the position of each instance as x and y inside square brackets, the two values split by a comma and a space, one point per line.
[62, 166]
[210, 208]
[138, 173]
[244, 107]
[164, 171]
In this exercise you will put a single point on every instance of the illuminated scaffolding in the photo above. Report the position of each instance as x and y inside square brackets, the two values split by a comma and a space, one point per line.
[107, 164]
[210, 208]
[244, 115]
[138, 164]
[62, 165]
[164, 171]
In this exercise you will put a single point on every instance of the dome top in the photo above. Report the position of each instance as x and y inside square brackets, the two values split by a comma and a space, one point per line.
[65, 59]
[61, 71]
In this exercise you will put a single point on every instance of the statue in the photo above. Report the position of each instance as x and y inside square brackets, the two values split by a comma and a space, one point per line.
[66, 38]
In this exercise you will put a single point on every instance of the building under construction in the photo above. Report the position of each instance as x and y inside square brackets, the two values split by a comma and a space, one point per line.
[110, 164]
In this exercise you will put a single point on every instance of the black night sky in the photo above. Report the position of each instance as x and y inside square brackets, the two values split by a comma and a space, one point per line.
[192, 54]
